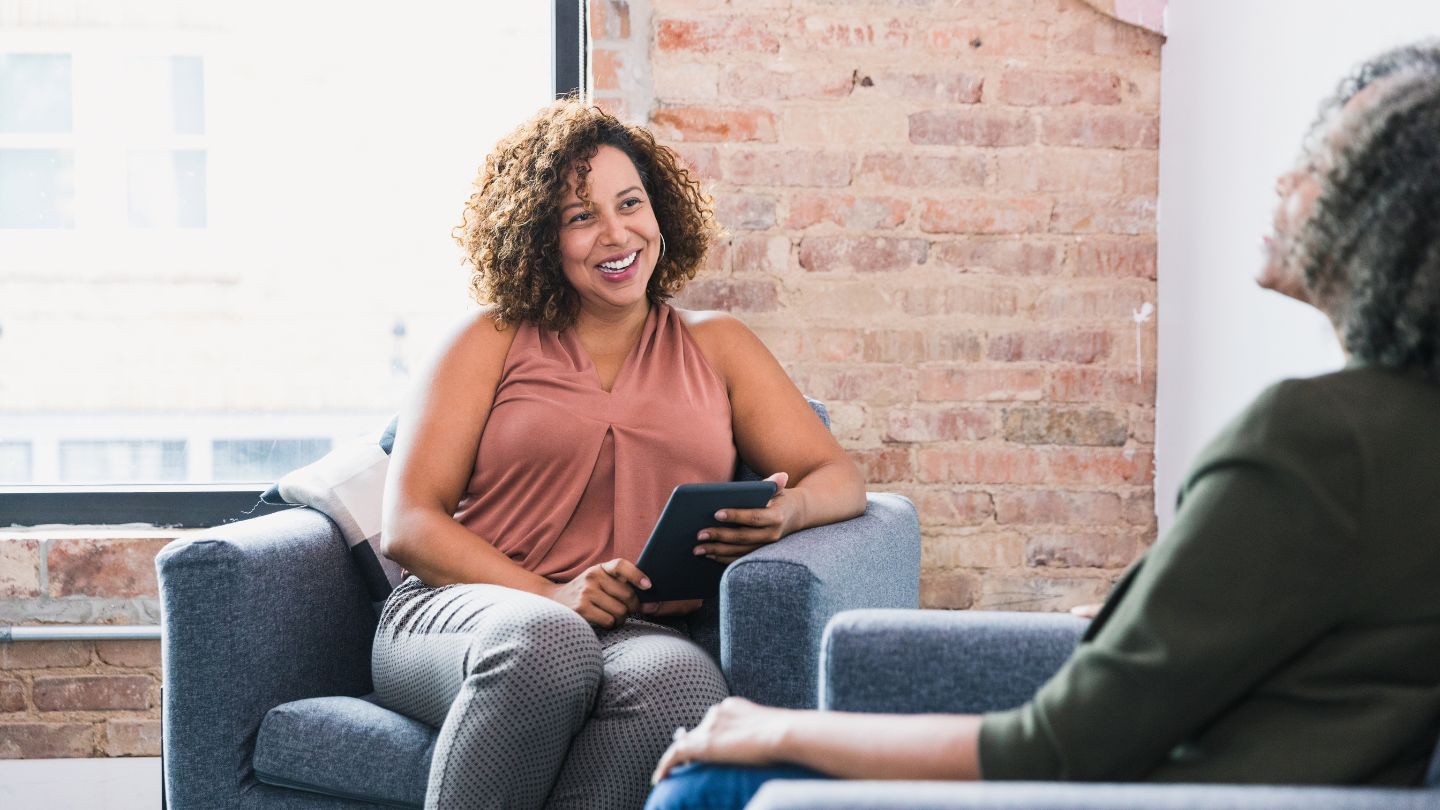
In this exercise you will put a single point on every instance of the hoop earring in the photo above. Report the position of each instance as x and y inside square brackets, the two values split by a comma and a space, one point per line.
[662, 248]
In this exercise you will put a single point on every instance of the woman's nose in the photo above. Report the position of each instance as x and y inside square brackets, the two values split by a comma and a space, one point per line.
[612, 232]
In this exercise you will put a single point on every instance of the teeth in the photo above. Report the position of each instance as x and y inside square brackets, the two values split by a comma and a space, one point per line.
[617, 266]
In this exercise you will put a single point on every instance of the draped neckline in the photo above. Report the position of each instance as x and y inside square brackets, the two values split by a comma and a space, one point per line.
[578, 350]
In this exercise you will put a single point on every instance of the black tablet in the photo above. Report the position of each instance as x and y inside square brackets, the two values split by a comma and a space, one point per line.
[669, 557]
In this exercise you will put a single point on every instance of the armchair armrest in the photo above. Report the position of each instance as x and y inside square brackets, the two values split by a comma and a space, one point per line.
[839, 795]
[253, 614]
[941, 661]
[774, 603]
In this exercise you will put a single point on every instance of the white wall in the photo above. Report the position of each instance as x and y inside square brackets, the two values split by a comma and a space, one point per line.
[1241, 81]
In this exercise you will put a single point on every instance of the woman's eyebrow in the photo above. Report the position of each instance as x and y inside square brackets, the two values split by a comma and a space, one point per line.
[627, 191]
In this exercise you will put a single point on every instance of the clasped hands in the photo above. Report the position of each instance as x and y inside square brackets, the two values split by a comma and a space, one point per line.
[605, 594]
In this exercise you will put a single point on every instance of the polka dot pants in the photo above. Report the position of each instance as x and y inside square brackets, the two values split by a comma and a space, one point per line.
[535, 707]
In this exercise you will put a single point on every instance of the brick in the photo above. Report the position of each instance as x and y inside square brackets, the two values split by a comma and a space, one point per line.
[92, 693]
[981, 464]
[1140, 509]
[614, 105]
[987, 39]
[754, 83]
[985, 216]
[843, 126]
[1102, 130]
[791, 167]
[1007, 256]
[687, 81]
[1142, 424]
[701, 161]
[947, 506]
[1040, 593]
[717, 258]
[932, 424]
[863, 254]
[129, 653]
[1117, 215]
[46, 740]
[605, 67]
[939, 88]
[884, 464]
[917, 346]
[1114, 258]
[760, 254]
[44, 654]
[732, 295]
[968, 383]
[972, 127]
[920, 171]
[847, 211]
[132, 738]
[693, 123]
[610, 19]
[725, 34]
[874, 385]
[746, 212]
[974, 297]
[975, 550]
[1091, 171]
[1100, 466]
[1063, 507]
[827, 345]
[1106, 303]
[1049, 425]
[1081, 550]
[1070, 346]
[118, 568]
[12, 696]
[1100, 385]
[817, 33]
[1099, 35]
[1140, 174]
[19, 568]
[949, 590]
[1051, 88]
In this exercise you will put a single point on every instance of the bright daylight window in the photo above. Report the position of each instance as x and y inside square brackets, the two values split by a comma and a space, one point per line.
[224, 226]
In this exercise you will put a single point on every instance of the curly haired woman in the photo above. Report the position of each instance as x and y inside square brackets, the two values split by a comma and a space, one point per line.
[1287, 629]
[539, 451]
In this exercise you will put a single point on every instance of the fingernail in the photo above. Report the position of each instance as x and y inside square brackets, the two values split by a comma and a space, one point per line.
[645, 582]
[700, 551]
[704, 535]
[722, 515]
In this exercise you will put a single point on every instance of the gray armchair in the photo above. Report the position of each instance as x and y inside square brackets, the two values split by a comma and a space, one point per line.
[971, 662]
[267, 629]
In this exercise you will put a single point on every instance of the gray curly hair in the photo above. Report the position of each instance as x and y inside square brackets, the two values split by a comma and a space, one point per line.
[1370, 250]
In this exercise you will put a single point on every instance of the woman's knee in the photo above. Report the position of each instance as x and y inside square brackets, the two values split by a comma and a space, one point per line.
[671, 679]
[539, 640]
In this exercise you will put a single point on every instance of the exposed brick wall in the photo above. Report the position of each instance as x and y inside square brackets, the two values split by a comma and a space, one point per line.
[79, 698]
[942, 219]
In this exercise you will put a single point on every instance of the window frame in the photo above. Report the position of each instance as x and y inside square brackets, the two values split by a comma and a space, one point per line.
[191, 506]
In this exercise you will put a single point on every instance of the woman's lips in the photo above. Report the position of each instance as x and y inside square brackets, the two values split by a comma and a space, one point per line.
[620, 268]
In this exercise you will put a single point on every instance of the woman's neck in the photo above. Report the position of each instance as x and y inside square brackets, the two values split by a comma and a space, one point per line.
[614, 331]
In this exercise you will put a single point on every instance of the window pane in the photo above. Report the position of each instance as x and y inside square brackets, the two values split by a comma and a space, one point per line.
[37, 188]
[15, 463]
[187, 94]
[263, 460]
[167, 189]
[97, 462]
[34, 92]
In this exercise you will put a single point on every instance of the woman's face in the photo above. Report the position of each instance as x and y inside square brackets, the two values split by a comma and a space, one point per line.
[1297, 191]
[608, 251]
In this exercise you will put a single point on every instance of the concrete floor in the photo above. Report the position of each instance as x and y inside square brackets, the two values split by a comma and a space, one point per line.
[128, 783]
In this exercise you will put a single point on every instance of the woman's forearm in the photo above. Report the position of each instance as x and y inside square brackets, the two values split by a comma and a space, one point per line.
[441, 552]
[828, 494]
[883, 746]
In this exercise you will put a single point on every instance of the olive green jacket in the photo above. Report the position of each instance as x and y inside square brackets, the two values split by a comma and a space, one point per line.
[1287, 627]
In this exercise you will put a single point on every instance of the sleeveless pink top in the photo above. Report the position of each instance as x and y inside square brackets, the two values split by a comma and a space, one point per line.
[568, 475]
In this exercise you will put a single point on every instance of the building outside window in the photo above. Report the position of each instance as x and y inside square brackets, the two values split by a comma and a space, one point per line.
[224, 226]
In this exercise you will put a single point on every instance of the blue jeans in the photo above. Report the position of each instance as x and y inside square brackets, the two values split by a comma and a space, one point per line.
[718, 787]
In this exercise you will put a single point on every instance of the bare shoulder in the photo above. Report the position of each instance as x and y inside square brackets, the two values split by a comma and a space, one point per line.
[475, 346]
[725, 339]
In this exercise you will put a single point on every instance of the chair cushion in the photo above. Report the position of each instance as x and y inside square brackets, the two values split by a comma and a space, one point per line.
[346, 747]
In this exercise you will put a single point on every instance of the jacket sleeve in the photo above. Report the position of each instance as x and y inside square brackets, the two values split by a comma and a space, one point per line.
[1256, 567]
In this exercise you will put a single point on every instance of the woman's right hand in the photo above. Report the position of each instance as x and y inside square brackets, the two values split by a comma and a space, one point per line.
[603, 594]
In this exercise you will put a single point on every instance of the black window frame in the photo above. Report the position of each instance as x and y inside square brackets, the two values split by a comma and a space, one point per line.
[195, 506]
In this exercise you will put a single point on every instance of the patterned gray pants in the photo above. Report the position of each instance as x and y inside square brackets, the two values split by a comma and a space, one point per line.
[535, 707]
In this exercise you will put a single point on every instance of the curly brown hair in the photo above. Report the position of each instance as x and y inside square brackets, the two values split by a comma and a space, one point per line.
[510, 230]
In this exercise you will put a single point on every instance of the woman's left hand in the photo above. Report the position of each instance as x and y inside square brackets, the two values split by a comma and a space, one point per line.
[754, 527]
[734, 731]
